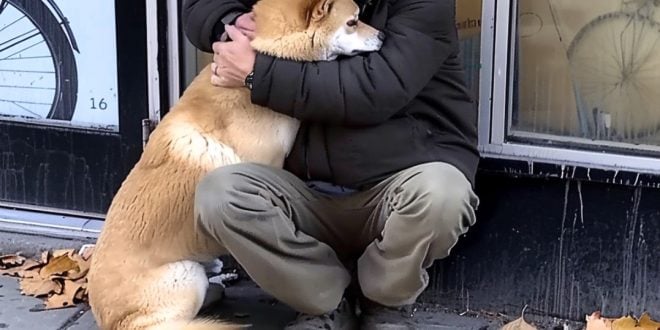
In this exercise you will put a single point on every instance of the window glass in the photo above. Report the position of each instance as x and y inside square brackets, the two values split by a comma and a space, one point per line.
[587, 72]
[468, 22]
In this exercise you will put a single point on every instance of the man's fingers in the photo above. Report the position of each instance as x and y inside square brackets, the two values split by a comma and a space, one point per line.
[246, 22]
[220, 48]
[217, 47]
[234, 33]
[248, 33]
[217, 81]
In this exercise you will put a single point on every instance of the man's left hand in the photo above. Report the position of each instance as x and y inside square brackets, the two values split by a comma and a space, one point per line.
[232, 60]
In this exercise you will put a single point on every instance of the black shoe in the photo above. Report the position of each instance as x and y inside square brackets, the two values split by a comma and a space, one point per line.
[342, 318]
[374, 316]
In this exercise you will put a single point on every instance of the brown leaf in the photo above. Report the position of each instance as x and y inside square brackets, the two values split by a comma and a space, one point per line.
[30, 264]
[596, 322]
[59, 253]
[27, 270]
[645, 322]
[624, 323]
[81, 295]
[58, 266]
[67, 298]
[39, 287]
[86, 251]
[518, 324]
[59, 275]
[11, 260]
[82, 267]
[20, 273]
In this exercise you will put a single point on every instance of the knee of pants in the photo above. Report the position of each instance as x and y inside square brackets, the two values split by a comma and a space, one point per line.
[440, 197]
[215, 195]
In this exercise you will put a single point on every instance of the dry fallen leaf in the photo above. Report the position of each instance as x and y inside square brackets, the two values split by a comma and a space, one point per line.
[646, 322]
[11, 260]
[58, 266]
[58, 276]
[67, 298]
[624, 323]
[86, 251]
[38, 287]
[518, 324]
[59, 253]
[20, 273]
[596, 322]
[30, 264]
[81, 269]
[26, 270]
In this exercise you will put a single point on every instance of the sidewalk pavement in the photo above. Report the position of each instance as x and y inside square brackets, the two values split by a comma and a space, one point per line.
[243, 303]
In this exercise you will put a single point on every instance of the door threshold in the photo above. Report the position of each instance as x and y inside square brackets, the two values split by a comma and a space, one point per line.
[49, 224]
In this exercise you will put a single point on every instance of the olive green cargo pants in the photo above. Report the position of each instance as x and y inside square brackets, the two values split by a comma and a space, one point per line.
[296, 242]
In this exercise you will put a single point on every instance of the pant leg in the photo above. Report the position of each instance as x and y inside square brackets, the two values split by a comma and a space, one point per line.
[420, 214]
[274, 226]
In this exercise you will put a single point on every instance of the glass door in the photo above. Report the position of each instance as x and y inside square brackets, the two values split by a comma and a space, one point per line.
[73, 91]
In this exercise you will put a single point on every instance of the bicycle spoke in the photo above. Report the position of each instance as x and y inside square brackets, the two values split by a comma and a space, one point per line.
[12, 23]
[23, 102]
[25, 58]
[20, 41]
[28, 71]
[16, 37]
[26, 109]
[24, 49]
[26, 87]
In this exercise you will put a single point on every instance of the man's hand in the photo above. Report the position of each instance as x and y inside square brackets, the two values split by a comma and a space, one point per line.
[234, 60]
[245, 23]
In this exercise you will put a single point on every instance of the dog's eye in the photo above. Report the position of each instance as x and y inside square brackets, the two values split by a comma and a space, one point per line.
[352, 23]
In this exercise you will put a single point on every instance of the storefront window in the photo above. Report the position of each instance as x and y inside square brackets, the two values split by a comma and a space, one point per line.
[468, 23]
[587, 73]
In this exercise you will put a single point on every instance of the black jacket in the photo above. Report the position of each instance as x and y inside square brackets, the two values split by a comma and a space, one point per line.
[366, 117]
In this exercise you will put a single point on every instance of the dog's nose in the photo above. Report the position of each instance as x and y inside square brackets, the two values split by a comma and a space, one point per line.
[381, 36]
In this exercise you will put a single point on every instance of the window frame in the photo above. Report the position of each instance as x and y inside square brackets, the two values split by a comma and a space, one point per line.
[497, 40]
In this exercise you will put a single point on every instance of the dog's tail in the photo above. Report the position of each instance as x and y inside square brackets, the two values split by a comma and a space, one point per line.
[200, 324]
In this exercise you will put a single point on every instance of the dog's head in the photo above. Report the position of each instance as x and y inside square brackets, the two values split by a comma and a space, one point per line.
[312, 30]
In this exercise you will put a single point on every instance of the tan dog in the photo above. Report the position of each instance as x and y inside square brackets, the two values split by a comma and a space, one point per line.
[146, 271]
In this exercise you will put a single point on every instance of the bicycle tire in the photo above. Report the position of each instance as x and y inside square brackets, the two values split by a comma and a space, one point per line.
[66, 71]
[600, 20]
[628, 130]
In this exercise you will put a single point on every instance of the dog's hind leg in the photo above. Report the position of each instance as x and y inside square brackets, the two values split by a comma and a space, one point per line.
[168, 297]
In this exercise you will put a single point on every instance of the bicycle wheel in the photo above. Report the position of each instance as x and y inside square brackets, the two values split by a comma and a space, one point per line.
[38, 74]
[615, 68]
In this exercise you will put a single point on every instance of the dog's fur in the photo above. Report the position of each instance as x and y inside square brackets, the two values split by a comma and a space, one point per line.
[146, 271]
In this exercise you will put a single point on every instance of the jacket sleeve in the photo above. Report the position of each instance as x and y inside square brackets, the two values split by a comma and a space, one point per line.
[203, 20]
[369, 89]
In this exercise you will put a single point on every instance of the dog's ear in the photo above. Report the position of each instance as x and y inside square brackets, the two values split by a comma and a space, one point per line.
[318, 10]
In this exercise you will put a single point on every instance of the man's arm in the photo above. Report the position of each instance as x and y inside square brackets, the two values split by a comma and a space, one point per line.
[203, 20]
[364, 90]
